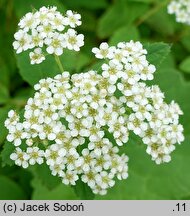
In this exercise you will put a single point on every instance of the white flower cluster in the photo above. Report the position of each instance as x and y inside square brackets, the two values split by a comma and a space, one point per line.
[64, 126]
[181, 8]
[47, 31]
[146, 113]
[70, 118]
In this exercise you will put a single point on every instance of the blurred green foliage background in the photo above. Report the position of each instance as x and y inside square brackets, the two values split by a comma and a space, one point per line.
[103, 20]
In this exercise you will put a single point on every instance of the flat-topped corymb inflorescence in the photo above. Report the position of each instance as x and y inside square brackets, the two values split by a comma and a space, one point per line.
[47, 31]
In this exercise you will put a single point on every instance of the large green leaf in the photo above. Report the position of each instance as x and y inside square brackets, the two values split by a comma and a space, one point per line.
[147, 1]
[89, 22]
[125, 33]
[22, 7]
[162, 23]
[4, 94]
[83, 191]
[10, 190]
[74, 62]
[98, 4]
[61, 192]
[185, 65]
[3, 130]
[71, 61]
[33, 73]
[157, 52]
[185, 40]
[8, 148]
[43, 173]
[120, 14]
[4, 72]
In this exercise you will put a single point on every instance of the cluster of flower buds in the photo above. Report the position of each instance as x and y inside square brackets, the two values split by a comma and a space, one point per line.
[47, 31]
[181, 8]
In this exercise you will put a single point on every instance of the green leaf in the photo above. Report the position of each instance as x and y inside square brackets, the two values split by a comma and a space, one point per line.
[71, 62]
[98, 4]
[3, 130]
[43, 173]
[4, 77]
[120, 14]
[168, 62]
[4, 94]
[157, 52]
[61, 192]
[185, 65]
[175, 88]
[8, 149]
[150, 181]
[10, 190]
[81, 62]
[179, 52]
[83, 191]
[24, 178]
[185, 41]
[89, 22]
[22, 7]
[146, 1]
[125, 33]
[4, 82]
[162, 23]
[33, 73]
[74, 61]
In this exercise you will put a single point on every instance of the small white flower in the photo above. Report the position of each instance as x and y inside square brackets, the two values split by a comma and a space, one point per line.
[37, 39]
[54, 155]
[173, 7]
[105, 180]
[73, 41]
[12, 119]
[136, 125]
[89, 178]
[57, 169]
[22, 41]
[28, 22]
[37, 56]
[147, 72]
[104, 51]
[35, 155]
[73, 19]
[70, 177]
[16, 134]
[112, 71]
[58, 22]
[55, 44]
[87, 160]
[21, 158]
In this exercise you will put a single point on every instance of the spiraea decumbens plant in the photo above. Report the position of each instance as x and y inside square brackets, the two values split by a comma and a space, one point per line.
[76, 124]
